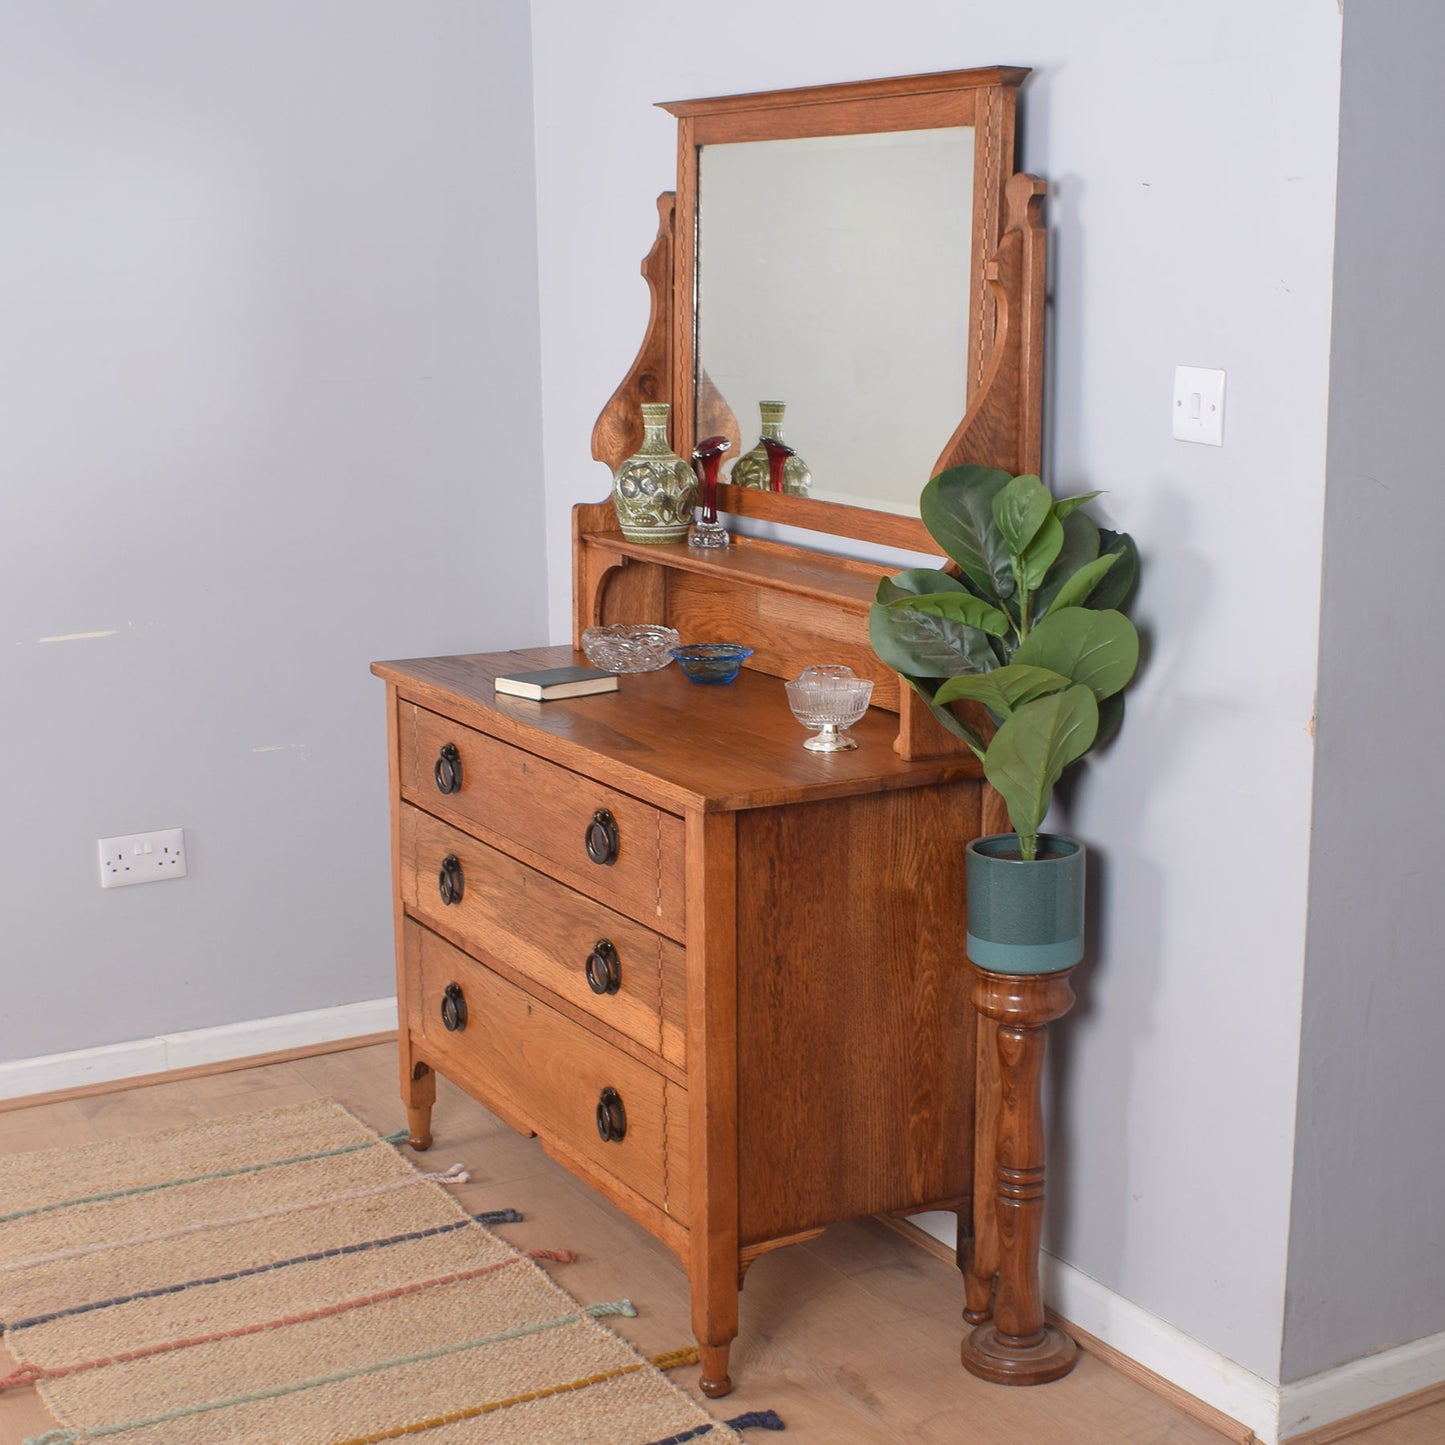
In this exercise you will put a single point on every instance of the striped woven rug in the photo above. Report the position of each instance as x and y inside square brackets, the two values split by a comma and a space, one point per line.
[288, 1278]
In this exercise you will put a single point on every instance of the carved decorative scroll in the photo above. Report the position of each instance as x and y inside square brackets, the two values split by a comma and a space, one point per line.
[618, 432]
[1004, 424]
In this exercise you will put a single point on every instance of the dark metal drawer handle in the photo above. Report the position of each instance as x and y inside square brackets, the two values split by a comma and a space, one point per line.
[454, 1009]
[602, 837]
[449, 769]
[450, 882]
[611, 1117]
[604, 968]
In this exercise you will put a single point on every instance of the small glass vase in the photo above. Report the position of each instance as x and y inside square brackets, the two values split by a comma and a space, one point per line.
[752, 469]
[707, 531]
[654, 490]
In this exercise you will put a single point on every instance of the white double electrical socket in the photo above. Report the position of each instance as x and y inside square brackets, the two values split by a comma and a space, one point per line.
[142, 858]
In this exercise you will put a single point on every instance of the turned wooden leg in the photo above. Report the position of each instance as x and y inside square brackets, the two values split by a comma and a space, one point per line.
[419, 1094]
[977, 1286]
[715, 1281]
[715, 1381]
[1019, 1347]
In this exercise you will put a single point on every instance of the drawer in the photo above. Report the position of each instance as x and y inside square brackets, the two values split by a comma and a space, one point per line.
[515, 799]
[542, 1070]
[511, 915]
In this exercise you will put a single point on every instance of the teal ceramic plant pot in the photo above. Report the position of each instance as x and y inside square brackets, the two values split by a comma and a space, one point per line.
[1025, 917]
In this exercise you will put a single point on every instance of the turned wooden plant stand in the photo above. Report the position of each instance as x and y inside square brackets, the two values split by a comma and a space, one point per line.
[1017, 1346]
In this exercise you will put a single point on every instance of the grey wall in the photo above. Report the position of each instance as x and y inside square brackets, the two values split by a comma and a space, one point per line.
[268, 410]
[1191, 164]
[1367, 1236]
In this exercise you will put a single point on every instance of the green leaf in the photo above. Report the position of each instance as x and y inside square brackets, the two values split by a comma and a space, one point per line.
[1081, 546]
[1003, 689]
[1066, 506]
[1040, 554]
[957, 508]
[926, 689]
[958, 606]
[1020, 509]
[916, 582]
[1111, 719]
[1077, 588]
[1098, 649]
[923, 644]
[1123, 575]
[1030, 751]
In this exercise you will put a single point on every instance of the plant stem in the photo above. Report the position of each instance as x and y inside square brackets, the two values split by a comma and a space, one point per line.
[1029, 846]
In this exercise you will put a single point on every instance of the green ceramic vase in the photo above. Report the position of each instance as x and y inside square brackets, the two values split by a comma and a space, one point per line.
[1025, 917]
[654, 490]
[751, 469]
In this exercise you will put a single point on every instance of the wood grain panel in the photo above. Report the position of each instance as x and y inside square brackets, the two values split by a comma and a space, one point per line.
[853, 1009]
[529, 1063]
[537, 928]
[512, 796]
[787, 633]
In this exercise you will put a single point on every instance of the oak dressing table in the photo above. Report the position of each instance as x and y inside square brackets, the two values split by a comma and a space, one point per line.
[718, 976]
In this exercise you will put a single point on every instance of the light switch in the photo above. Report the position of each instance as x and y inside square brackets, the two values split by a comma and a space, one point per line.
[1199, 405]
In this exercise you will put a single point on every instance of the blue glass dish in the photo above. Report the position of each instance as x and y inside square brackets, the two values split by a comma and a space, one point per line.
[711, 662]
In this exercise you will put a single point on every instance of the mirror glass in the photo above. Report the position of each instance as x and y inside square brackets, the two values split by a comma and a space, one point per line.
[834, 274]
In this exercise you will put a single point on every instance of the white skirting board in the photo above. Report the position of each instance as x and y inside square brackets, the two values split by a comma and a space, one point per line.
[115, 1062]
[1274, 1412]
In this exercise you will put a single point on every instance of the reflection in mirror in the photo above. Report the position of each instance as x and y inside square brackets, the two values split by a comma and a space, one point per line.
[834, 274]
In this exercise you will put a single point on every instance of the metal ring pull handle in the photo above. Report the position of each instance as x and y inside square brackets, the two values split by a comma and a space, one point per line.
[451, 883]
[454, 1009]
[604, 968]
[603, 839]
[611, 1117]
[448, 771]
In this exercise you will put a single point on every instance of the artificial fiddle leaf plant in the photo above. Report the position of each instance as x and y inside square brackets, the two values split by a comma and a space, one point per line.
[1029, 628]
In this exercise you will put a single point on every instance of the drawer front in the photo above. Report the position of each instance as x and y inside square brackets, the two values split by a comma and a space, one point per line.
[515, 798]
[509, 914]
[541, 1068]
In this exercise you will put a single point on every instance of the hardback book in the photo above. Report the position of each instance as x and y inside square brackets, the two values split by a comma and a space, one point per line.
[554, 682]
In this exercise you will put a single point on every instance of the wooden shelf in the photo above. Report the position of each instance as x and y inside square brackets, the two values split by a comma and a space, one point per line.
[791, 605]
[750, 561]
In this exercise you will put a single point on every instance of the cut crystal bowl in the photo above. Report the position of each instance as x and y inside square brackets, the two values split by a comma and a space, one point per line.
[629, 646]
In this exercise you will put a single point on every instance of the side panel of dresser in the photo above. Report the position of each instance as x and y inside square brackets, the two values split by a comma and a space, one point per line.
[855, 1028]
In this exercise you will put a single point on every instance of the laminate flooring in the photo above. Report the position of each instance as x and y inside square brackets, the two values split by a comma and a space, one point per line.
[852, 1338]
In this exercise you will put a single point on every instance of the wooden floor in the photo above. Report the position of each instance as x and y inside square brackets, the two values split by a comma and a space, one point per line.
[853, 1339]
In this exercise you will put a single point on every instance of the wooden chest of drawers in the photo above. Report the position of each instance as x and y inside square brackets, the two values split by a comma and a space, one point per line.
[721, 978]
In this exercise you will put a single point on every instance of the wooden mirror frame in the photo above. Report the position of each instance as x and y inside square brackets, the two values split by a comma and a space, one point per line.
[1002, 424]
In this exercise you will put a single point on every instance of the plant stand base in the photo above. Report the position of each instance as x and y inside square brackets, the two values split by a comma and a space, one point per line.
[1019, 1347]
[993, 1357]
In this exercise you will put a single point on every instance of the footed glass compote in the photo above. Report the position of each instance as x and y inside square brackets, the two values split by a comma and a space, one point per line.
[707, 531]
[831, 698]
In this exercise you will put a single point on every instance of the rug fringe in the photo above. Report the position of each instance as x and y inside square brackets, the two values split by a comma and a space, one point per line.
[757, 1420]
[753, 1420]
[674, 1359]
[498, 1216]
[454, 1174]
